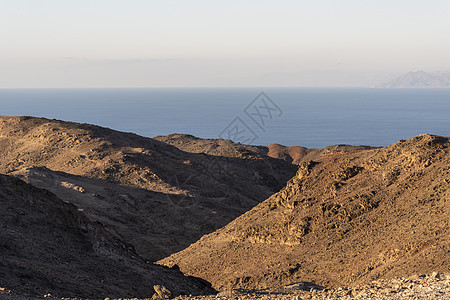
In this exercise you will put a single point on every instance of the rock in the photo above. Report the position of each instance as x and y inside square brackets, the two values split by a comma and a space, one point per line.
[225, 294]
[436, 275]
[161, 292]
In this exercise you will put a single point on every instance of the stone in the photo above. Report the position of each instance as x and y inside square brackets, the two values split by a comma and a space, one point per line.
[161, 292]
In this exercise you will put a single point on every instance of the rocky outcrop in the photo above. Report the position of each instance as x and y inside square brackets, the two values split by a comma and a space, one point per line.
[346, 218]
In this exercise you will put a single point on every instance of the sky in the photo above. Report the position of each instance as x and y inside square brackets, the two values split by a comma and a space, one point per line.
[251, 43]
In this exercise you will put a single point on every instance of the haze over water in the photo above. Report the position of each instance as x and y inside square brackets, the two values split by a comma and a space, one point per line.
[311, 117]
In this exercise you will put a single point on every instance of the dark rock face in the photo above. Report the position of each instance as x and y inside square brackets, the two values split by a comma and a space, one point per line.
[48, 246]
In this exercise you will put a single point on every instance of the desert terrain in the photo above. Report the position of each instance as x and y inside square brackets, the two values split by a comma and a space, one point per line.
[93, 213]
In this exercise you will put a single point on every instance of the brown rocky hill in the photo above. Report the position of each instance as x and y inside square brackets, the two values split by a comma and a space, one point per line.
[293, 154]
[215, 147]
[225, 148]
[157, 197]
[49, 246]
[346, 218]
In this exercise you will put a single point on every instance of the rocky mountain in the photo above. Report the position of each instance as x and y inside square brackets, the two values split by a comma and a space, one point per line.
[420, 79]
[48, 246]
[160, 198]
[101, 205]
[346, 218]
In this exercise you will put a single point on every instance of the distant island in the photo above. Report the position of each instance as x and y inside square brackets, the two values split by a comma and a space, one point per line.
[419, 79]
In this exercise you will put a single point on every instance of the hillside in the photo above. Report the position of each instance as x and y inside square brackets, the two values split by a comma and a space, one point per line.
[420, 79]
[225, 148]
[157, 197]
[49, 246]
[346, 218]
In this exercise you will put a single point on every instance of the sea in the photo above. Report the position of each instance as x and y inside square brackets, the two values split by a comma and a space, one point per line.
[309, 117]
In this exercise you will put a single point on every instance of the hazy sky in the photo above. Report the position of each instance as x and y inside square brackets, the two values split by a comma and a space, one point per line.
[134, 43]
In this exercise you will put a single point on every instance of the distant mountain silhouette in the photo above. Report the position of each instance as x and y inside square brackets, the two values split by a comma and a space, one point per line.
[420, 79]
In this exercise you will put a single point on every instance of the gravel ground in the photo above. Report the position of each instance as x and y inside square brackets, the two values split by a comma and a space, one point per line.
[434, 286]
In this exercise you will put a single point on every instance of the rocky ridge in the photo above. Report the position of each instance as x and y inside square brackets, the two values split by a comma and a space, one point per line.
[158, 197]
[344, 219]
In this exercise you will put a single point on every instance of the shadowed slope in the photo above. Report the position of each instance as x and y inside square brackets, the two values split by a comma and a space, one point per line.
[172, 196]
[48, 246]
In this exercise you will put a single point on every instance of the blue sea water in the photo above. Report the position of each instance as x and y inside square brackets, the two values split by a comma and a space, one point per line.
[310, 117]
